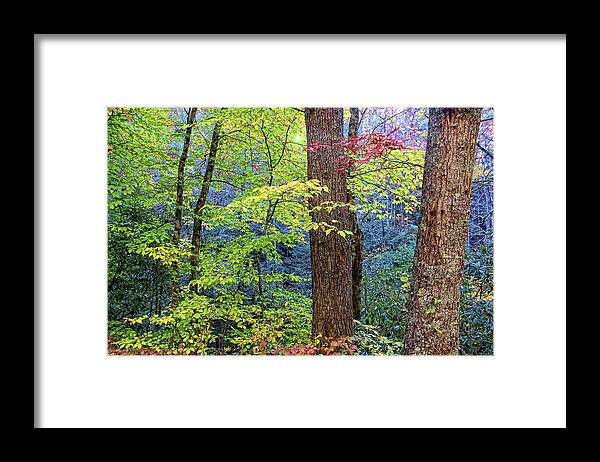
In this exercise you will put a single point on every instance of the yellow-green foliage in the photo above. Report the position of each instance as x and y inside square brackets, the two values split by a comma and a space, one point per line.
[221, 325]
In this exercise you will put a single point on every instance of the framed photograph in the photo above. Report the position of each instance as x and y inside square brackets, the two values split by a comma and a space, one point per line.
[274, 227]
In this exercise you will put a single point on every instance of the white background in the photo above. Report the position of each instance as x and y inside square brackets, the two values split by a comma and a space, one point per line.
[523, 384]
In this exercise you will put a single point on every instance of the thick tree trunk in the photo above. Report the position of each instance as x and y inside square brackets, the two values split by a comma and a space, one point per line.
[357, 234]
[179, 202]
[433, 327]
[202, 198]
[330, 254]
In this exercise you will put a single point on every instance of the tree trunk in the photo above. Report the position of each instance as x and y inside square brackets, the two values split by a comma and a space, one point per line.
[179, 202]
[357, 234]
[330, 254]
[201, 202]
[357, 260]
[433, 327]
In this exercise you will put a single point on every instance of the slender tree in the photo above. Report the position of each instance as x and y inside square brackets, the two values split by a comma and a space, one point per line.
[202, 198]
[433, 327]
[357, 234]
[330, 253]
[179, 201]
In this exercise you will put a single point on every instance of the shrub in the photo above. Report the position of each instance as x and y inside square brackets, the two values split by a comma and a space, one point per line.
[371, 342]
[201, 325]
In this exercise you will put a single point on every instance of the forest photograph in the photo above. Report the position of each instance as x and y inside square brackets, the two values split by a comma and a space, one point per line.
[300, 230]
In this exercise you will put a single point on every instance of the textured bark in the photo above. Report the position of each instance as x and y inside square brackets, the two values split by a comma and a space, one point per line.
[433, 327]
[357, 260]
[357, 234]
[179, 202]
[330, 254]
[202, 198]
[353, 122]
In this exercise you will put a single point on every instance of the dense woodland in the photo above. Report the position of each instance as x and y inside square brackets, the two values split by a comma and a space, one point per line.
[300, 231]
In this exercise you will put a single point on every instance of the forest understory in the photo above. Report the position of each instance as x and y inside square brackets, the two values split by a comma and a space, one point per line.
[300, 231]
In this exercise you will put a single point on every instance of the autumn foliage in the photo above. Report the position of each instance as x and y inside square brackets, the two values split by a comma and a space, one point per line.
[361, 149]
